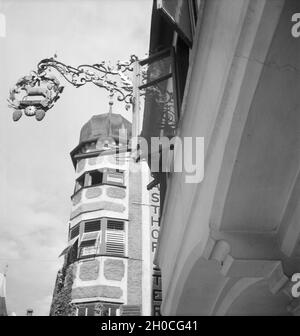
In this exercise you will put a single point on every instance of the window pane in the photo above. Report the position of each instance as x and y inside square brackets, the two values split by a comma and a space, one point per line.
[89, 250]
[96, 177]
[79, 183]
[157, 69]
[86, 310]
[90, 310]
[160, 117]
[178, 13]
[112, 311]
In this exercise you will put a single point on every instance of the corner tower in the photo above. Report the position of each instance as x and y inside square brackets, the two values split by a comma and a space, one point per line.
[103, 268]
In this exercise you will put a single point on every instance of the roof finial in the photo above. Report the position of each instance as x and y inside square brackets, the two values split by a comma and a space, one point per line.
[111, 102]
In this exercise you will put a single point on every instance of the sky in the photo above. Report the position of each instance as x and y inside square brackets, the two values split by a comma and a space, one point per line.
[36, 173]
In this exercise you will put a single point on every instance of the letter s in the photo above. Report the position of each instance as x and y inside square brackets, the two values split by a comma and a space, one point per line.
[155, 197]
[296, 286]
[296, 26]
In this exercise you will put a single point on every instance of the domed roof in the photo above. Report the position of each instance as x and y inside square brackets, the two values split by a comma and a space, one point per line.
[104, 126]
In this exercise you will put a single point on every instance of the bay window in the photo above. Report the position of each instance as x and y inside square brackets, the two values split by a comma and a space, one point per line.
[103, 237]
[98, 177]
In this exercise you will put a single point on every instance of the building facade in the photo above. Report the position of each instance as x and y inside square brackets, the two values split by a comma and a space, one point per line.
[106, 268]
[230, 244]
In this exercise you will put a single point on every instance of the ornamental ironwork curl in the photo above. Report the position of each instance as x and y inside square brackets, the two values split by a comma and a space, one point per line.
[114, 78]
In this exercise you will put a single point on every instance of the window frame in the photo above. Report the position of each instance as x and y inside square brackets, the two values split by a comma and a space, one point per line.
[110, 306]
[100, 243]
[168, 52]
[114, 171]
[90, 243]
[192, 18]
[75, 227]
[86, 307]
[104, 171]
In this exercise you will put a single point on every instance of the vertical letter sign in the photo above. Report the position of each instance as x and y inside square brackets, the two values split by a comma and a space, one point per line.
[156, 275]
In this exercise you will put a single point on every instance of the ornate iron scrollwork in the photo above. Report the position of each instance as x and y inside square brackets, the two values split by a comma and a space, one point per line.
[36, 93]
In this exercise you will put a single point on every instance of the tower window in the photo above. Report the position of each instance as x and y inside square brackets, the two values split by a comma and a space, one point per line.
[115, 238]
[79, 183]
[90, 243]
[96, 177]
[88, 247]
[103, 237]
[86, 310]
[89, 309]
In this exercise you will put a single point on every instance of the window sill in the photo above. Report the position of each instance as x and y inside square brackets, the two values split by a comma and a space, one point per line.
[93, 256]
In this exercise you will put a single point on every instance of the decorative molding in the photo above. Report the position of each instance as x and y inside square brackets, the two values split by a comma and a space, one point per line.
[96, 206]
[113, 192]
[89, 270]
[114, 269]
[112, 292]
[93, 192]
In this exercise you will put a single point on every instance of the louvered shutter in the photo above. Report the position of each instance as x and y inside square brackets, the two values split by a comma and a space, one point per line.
[89, 243]
[74, 231]
[115, 238]
[92, 226]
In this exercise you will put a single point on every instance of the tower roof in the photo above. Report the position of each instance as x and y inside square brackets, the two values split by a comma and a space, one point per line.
[105, 125]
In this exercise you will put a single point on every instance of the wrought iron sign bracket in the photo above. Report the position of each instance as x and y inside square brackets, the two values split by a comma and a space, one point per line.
[37, 92]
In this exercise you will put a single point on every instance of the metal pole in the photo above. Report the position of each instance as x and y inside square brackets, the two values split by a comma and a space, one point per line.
[136, 100]
[135, 105]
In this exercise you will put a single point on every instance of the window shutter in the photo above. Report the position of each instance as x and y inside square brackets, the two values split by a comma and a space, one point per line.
[92, 226]
[115, 238]
[114, 177]
[89, 243]
[74, 231]
[115, 225]
[90, 236]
